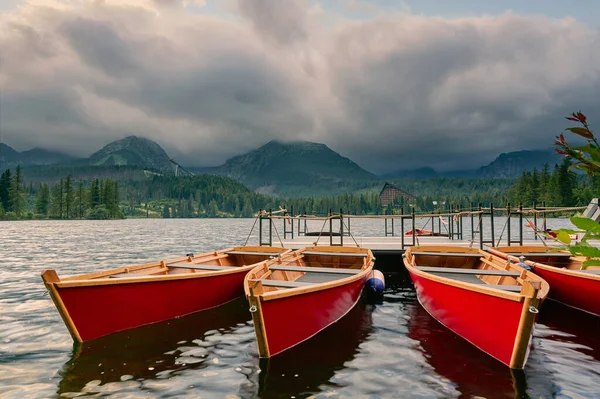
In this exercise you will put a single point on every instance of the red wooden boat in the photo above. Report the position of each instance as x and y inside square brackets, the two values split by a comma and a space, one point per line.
[570, 284]
[490, 302]
[97, 304]
[294, 297]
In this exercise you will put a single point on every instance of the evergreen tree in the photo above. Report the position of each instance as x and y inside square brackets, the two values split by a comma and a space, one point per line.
[43, 200]
[166, 214]
[95, 193]
[68, 190]
[17, 193]
[5, 183]
[56, 200]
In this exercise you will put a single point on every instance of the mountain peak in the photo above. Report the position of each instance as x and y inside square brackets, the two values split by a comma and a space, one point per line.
[133, 151]
[294, 167]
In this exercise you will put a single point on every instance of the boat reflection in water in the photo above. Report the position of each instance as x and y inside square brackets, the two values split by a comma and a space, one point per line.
[149, 351]
[309, 367]
[474, 372]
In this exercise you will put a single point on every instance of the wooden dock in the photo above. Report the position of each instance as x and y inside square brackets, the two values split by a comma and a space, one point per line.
[387, 245]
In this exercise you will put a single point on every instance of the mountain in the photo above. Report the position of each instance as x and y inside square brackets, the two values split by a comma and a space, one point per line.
[296, 169]
[132, 151]
[513, 164]
[9, 158]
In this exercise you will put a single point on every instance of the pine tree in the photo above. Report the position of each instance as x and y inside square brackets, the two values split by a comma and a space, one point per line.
[43, 200]
[166, 214]
[5, 183]
[17, 193]
[68, 189]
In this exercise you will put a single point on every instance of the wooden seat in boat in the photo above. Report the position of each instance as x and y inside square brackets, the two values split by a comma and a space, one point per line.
[589, 271]
[458, 254]
[253, 253]
[309, 269]
[457, 270]
[283, 284]
[192, 265]
[356, 254]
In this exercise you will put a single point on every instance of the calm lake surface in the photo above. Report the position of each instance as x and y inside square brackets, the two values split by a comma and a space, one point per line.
[389, 349]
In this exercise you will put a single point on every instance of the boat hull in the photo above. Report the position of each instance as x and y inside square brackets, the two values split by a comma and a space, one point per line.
[290, 320]
[571, 289]
[488, 322]
[99, 310]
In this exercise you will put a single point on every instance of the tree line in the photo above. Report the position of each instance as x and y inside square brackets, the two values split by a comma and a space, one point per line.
[216, 196]
[65, 199]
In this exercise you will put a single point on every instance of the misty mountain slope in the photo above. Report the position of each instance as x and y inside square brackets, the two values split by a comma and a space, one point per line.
[295, 169]
[513, 164]
[132, 151]
[10, 158]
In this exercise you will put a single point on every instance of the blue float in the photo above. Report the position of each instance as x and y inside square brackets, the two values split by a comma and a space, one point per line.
[375, 284]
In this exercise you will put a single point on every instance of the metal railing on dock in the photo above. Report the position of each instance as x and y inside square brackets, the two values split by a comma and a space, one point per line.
[451, 219]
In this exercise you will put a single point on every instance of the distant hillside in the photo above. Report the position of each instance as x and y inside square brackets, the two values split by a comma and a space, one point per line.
[296, 169]
[132, 151]
[9, 158]
[421, 173]
[513, 164]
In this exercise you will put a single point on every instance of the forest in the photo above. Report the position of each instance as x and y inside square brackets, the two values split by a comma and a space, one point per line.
[168, 196]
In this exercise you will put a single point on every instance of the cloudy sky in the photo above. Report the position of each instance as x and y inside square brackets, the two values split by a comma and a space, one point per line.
[390, 84]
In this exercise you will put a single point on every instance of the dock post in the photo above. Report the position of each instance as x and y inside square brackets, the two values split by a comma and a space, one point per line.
[341, 227]
[535, 236]
[544, 226]
[292, 220]
[492, 222]
[392, 224]
[508, 240]
[450, 223]
[461, 225]
[260, 217]
[472, 220]
[480, 214]
[520, 223]
[385, 223]
[414, 232]
[402, 226]
[330, 229]
[349, 231]
[270, 228]
[284, 226]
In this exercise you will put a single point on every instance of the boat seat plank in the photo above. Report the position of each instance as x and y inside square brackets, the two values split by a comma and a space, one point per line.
[510, 288]
[538, 254]
[355, 254]
[458, 254]
[589, 271]
[192, 265]
[253, 253]
[456, 270]
[283, 284]
[319, 277]
[472, 279]
[309, 269]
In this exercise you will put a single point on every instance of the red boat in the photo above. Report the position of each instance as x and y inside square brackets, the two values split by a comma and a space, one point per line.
[294, 297]
[570, 283]
[490, 302]
[97, 304]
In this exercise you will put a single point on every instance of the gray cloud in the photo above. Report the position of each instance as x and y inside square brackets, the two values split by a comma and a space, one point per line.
[390, 92]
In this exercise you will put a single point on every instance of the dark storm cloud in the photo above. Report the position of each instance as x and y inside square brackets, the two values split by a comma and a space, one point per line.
[390, 92]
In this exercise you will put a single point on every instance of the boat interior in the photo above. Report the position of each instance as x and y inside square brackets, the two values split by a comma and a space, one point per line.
[228, 259]
[547, 256]
[469, 266]
[310, 266]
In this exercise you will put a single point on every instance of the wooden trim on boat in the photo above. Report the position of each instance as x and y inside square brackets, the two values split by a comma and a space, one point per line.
[522, 340]
[569, 272]
[50, 278]
[254, 299]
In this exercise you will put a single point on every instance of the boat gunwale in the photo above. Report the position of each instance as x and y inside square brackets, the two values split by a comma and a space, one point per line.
[549, 268]
[315, 287]
[103, 278]
[480, 288]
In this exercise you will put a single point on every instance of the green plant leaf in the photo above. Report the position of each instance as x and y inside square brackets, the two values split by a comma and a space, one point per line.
[586, 224]
[591, 262]
[585, 250]
[563, 237]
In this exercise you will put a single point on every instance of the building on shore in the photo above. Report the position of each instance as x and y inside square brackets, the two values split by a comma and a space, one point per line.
[391, 194]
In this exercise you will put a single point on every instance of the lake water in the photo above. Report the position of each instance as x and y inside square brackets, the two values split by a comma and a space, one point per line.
[389, 349]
